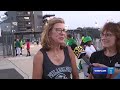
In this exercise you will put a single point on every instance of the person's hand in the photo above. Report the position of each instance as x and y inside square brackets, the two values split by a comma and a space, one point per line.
[90, 76]
[99, 65]
[109, 75]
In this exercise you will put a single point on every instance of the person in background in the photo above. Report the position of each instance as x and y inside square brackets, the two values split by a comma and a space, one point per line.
[89, 49]
[80, 53]
[71, 42]
[21, 45]
[17, 44]
[82, 43]
[28, 47]
[23, 40]
[83, 36]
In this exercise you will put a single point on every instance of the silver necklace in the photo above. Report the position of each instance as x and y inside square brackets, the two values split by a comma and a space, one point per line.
[110, 59]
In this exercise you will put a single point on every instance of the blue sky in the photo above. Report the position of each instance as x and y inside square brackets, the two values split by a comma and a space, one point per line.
[74, 19]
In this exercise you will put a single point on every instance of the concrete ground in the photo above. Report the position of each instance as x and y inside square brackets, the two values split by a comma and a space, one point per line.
[23, 64]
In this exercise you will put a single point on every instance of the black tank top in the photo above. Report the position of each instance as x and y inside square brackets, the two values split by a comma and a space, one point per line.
[51, 71]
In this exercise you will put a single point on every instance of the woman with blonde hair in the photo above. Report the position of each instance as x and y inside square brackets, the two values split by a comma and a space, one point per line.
[55, 60]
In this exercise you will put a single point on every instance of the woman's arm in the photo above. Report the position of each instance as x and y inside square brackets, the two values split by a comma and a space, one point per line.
[37, 66]
[75, 74]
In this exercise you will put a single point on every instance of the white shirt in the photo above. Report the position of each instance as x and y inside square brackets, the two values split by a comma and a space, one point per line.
[89, 50]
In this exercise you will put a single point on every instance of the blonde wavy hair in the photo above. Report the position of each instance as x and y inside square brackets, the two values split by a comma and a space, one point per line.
[45, 40]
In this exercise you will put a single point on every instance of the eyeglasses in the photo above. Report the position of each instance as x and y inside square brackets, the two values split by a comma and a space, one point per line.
[108, 35]
[60, 30]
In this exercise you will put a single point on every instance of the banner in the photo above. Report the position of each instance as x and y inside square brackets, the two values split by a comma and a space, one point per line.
[103, 70]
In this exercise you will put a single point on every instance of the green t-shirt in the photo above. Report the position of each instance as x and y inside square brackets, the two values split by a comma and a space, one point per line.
[83, 38]
[71, 41]
[21, 43]
[17, 44]
[66, 40]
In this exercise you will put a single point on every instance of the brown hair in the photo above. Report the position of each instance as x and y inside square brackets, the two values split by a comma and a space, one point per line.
[45, 40]
[115, 29]
[69, 35]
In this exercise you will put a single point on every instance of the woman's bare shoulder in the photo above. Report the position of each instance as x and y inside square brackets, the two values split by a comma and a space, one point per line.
[38, 57]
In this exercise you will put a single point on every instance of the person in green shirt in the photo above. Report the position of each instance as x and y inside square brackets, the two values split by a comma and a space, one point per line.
[17, 44]
[83, 37]
[71, 42]
[82, 43]
[21, 44]
[23, 40]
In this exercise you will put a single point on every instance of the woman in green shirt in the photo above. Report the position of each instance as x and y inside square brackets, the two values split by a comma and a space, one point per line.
[71, 42]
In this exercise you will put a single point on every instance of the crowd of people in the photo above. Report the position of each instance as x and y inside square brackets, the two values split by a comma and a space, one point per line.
[19, 44]
[57, 57]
